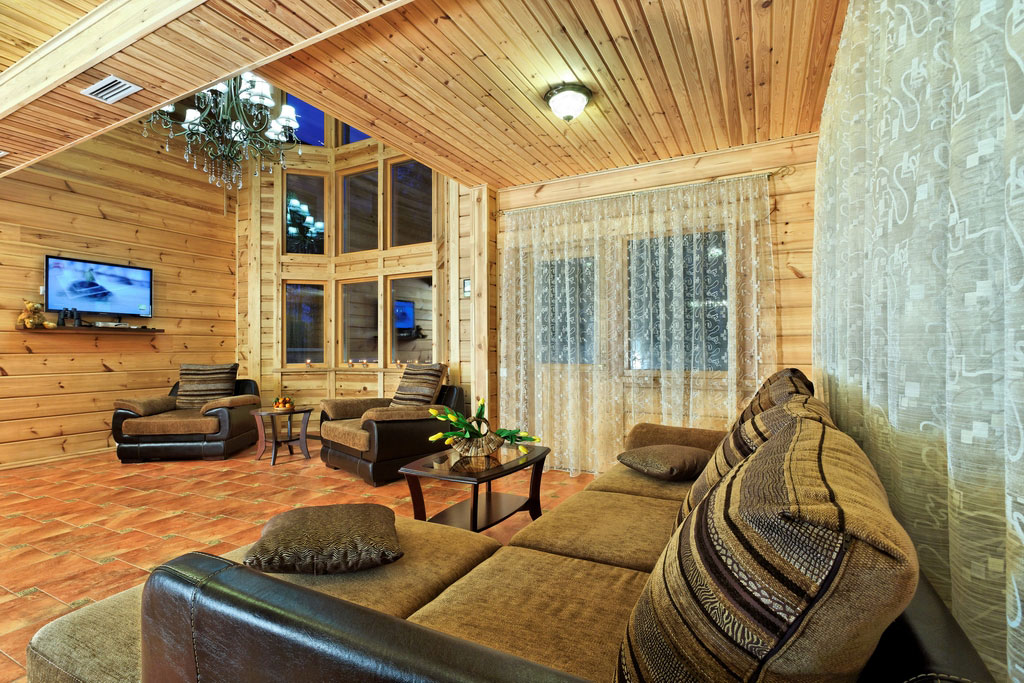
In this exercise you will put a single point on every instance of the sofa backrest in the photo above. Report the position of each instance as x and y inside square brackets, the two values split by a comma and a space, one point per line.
[242, 387]
[453, 396]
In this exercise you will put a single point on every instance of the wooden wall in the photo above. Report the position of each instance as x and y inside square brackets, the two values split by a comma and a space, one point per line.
[117, 198]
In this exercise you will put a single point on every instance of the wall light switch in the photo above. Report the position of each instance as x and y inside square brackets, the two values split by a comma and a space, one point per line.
[467, 288]
[42, 289]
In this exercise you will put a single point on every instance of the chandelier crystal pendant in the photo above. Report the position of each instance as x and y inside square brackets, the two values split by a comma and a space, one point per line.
[232, 123]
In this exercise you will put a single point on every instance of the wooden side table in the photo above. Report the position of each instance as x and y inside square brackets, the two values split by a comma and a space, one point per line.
[273, 437]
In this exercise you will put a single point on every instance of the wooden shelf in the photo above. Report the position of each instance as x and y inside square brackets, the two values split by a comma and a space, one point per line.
[97, 330]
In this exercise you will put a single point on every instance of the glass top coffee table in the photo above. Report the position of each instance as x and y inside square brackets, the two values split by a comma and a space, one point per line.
[478, 513]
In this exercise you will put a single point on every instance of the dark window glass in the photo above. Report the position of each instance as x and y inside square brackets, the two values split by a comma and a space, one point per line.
[412, 319]
[564, 310]
[304, 323]
[359, 321]
[678, 311]
[359, 211]
[411, 203]
[311, 122]
[350, 134]
[304, 213]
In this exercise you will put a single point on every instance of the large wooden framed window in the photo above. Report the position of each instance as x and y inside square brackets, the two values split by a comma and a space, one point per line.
[410, 203]
[358, 208]
[305, 212]
[410, 314]
[304, 320]
[359, 323]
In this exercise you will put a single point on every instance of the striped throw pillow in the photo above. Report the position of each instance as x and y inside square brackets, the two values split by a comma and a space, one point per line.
[198, 384]
[777, 389]
[420, 385]
[789, 569]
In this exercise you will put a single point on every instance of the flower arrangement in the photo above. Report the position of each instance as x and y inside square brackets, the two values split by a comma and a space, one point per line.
[466, 433]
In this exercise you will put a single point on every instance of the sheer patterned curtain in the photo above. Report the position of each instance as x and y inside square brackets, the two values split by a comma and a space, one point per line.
[656, 306]
[918, 272]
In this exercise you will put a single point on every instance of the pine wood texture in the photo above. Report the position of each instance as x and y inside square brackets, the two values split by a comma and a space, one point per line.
[792, 216]
[117, 198]
[171, 56]
[27, 25]
[459, 84]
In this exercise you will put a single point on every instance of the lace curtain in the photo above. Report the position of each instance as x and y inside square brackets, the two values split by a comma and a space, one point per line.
[656, 306]
[918, 272]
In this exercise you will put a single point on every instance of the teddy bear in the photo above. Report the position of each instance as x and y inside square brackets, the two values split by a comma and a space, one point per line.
[32, 317]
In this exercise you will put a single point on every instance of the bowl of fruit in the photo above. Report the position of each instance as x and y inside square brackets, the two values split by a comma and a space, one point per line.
[283, 403]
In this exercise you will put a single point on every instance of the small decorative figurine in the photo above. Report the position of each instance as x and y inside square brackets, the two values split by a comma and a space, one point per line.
[32, 317]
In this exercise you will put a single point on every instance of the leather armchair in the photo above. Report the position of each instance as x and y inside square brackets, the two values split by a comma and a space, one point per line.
[367, 437]
[214, 432]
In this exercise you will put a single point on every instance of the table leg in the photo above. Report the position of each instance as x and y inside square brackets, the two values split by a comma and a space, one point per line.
[273, 429]
[290, 451]
[416, 493]
[533, 502]
[302, 435]
[262, 437]
[473, 507]
[488, 487]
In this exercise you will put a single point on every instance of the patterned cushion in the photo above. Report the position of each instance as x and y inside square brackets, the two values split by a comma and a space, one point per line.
[201, 383]
[777, 389]
[420, 385]
[326, 539]
[789, 569]
[666, 461]
[745, 437]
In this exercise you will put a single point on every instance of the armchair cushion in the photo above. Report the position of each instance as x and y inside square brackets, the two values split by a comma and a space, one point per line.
[199, 384]
[347, 433]
[648, 434]
[420, 384]
[350, 408]
[189, 421]
[392, 413]
[145, 406]
[666, 461]
[231, 402]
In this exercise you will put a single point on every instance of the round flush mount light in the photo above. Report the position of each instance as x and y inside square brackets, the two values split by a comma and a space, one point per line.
[568, 101]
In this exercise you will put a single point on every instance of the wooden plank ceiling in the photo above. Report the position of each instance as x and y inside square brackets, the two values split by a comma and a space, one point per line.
[211, 41]
[459, 84]
[26, 25]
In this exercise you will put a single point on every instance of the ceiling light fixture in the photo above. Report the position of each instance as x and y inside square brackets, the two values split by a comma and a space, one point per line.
[230, 124]
[567, 101]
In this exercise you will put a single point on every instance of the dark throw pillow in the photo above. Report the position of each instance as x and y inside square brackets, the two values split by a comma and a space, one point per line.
[326, 539]
[667, 461]
[420, 384]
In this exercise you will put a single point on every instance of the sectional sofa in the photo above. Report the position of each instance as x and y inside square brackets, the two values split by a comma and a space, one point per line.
[780, 562]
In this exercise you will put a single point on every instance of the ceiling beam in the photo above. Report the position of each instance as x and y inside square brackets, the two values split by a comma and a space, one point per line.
[104, 31]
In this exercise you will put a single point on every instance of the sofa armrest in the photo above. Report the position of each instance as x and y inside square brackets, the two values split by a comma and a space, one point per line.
[204, 616]
[394, 413]
[231, 402]
[647, 434]
[146, 406]
[350, 408]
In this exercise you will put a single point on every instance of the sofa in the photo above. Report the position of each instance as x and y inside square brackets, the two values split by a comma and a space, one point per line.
[570, 598]
[147, 429]
[374, 439]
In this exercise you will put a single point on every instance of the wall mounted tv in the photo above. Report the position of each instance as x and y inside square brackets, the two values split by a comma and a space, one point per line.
[94, 287]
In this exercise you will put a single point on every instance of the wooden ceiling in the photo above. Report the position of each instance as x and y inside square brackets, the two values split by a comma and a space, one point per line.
[459, 84]
[170, 47]
[28, 24]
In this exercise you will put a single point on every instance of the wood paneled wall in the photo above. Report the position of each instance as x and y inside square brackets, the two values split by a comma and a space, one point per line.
[117, 198]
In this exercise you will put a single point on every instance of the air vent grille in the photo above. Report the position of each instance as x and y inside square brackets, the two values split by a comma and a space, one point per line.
[3, 153]
[111, 89]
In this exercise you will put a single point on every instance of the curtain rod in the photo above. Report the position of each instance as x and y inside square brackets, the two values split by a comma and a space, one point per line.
[781, 172]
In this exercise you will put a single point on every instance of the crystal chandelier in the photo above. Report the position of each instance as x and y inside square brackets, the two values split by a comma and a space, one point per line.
[231, 124]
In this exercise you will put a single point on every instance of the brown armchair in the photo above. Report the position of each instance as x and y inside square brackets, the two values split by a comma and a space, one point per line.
[368, 437]
[155, 429]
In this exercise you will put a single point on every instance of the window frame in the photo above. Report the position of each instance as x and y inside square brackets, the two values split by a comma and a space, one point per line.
[386, 204]
[339, 222]
[389, 311]
[339, 323]
[282, 210]
[284, 322]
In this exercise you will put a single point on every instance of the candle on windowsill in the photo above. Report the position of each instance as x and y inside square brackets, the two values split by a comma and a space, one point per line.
[309, 363]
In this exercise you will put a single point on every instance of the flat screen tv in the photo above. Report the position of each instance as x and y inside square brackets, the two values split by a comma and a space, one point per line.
[405, 315]
[94, 287]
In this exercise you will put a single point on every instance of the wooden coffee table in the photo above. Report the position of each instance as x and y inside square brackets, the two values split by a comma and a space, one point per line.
[477, 514]
[289, 440]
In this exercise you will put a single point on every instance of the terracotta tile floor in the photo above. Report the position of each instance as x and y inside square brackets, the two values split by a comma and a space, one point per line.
[76, 531]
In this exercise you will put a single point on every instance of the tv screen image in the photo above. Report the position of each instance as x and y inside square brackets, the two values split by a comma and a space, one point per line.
[405, 315]
[94, 287]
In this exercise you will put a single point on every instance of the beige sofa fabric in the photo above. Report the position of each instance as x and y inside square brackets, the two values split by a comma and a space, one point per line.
[351, 408]
[611, 528]
[348, 432]
[232, 402]
[393, 413]
[621, 479]
[562, 612]
[146, 406]
[184, 421]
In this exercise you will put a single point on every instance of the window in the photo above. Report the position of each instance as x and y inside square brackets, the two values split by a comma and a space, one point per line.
[304, 210]
[564, 310]
[359, 210]
[664, 272]
[412, 206]
[359, 322]
[412, 319]
[350, 134]
[311, 122]
[303, 322]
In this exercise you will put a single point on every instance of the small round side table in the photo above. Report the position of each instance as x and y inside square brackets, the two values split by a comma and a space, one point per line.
[273, 437]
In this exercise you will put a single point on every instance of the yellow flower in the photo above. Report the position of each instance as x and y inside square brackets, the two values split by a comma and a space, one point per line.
[523, 434]
[432, 412]
[534, 438]
[481, 402]
[449, 441]
[524, 449]
[453, 418]
[435, 437]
